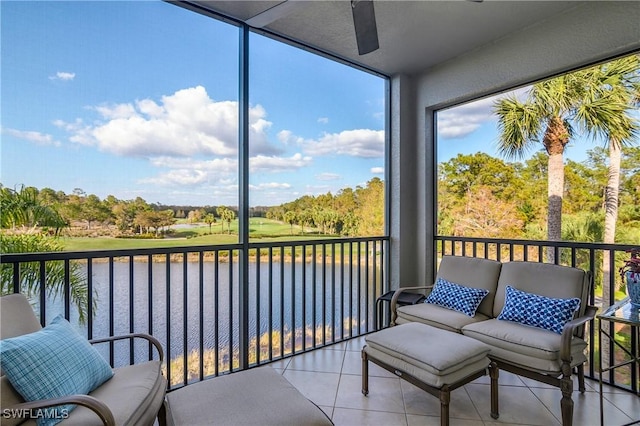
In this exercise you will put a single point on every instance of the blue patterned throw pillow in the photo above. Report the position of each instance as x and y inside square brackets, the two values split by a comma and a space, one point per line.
[538, 311]
[52, 362]
[456, 297]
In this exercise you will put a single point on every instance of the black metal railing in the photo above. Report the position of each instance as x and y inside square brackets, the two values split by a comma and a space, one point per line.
[301, 295]
[587, 256]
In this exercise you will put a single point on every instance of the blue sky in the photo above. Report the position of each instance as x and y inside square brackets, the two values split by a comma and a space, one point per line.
[472, 127]
[140, 99]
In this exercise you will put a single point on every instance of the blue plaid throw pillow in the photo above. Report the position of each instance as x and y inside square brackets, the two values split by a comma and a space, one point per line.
[456, 297]
[538, 311]
[53, 362]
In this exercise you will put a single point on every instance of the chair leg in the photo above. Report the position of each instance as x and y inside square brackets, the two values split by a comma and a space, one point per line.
[445, 399]
[493, 374]
[162, 414]
[365, 373]
[566, 403]
[581, 386]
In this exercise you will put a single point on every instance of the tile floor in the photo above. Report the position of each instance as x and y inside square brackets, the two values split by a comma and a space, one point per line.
[331, 378]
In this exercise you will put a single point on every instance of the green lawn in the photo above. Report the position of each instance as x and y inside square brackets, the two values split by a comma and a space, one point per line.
[260, 229]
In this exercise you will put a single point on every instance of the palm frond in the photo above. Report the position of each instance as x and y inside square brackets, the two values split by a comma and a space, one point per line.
[519, 126]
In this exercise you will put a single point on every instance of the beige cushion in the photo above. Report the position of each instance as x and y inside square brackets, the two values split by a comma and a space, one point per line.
[473, 272]
[543, 279]
[437, 357]
[16, 318]
[529, 347]
[134, 395]
[9, 397]
[260, 396]
[436, 316]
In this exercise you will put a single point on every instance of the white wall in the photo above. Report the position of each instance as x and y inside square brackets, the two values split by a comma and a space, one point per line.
[589, 33]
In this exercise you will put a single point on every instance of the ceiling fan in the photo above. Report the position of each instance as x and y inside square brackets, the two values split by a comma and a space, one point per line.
[364, 21]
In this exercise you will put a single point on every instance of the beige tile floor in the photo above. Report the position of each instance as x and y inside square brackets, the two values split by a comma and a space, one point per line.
[331, 378]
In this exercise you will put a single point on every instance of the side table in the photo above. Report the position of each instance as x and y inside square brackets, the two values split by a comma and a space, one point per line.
[621, 313]
[405, 298]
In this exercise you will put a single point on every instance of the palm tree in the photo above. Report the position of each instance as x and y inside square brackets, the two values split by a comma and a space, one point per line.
[209, 219]
[616, 86]
[22, 210]
[590, 100]
[221, 212]
[228, 216]
[290, 217]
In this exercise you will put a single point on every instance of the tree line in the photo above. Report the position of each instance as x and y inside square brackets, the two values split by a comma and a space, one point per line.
[350, 212]
[478, 195]
[484, 196]
[26, 209]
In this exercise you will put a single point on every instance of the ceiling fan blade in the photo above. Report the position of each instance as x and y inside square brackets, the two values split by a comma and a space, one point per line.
[364, 22]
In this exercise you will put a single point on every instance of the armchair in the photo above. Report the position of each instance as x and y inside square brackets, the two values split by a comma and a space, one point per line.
[134, 395]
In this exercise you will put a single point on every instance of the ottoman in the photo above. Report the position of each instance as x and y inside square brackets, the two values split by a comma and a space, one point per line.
[432, 359]
[260, 396]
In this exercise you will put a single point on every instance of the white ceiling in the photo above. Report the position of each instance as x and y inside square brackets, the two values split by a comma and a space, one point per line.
[414, 35]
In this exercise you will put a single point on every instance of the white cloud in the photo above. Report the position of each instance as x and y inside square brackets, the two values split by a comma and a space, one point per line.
[186, 123]
[188, 172]
[115, 112]
[219, 165]
[323, 120]
[64, 76]
[286, 137]
[178, 177]
[328, 176]
[269, 185]
[219, 171]
[38, 138]
[273, 164]
[463, 120]
[377, 170]
[317, 189]
[363, 143]
[460, 121]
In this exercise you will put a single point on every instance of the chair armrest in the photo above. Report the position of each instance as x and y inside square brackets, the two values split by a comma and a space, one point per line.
[148, 337]
[396, 295]
[100, 408]
[570, 327]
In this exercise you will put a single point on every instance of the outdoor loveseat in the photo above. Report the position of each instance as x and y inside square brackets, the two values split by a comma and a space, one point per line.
[530, 316]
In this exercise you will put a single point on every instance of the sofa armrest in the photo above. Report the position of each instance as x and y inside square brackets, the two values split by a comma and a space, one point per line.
[396, 295]
[100, 408]
[569, 329]
[148, 337]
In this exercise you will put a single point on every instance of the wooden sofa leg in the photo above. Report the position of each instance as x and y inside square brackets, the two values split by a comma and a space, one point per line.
[581, 386]
[493, 374]
[445, 399]
[162, 414]
[365, 373]
[566, 404]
